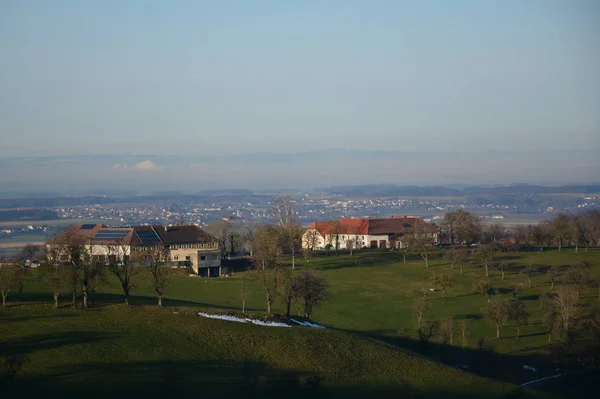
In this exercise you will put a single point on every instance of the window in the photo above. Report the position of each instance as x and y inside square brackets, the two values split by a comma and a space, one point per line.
[202, 257]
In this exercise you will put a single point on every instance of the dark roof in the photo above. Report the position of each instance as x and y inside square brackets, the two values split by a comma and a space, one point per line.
[395, 225]
[182, 234]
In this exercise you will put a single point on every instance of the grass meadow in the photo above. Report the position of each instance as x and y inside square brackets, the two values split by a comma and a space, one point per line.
[369, 344]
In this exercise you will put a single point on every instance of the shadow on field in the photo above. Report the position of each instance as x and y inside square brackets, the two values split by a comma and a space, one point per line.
[32, 343]
[208, 379]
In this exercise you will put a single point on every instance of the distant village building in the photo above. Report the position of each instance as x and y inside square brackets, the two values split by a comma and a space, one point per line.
[185, 246]
[366, 233]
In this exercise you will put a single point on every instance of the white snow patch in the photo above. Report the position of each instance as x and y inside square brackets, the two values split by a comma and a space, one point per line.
[527, 367]
[307, 323]
[240, 320]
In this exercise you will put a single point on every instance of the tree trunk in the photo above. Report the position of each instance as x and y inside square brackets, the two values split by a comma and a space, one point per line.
[497, 331]
[549, 337]
[518, 331]
[74, 297]
[552, 284]
[289, 306]
[528, 282]
[443, 292]
[559, 246]
[451, 265]
[461, 268]
[85, 299]
[350, 251]
[243, 305]
[576, 248]
[487, 270]
[159, 299]
[404, 256]
[55, 301]
[293, 260]
[4, 299]
[426, 257]
[126, 298]
[502, 274]
[269, 302]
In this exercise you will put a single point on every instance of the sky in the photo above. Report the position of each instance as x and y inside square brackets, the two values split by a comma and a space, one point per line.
[198, 78]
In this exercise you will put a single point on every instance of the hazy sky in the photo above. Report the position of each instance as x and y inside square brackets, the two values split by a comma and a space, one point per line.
[187, 77]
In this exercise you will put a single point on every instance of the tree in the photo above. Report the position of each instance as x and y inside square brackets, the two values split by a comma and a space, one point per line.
[566, 302]
[516, 289]
[53, 270]
[291, 240]
[485, 289]
[120, 264]
[461, 227]
[421, 242]
[420, 311]
[311, 239]
[464, 332]
[337, 229]
[485, 255]
[154, 259]
[350, 243]
[560, 228]
[266, 261]
[442, 281]
[311, 289]
[541, 234]
[579, 275]
[495, 234]
[529, 272]
[287, 289]
[498, 313]
[447, 331]
[7, 279]
[245, 292]
[452, 256]
[551, 321]
[577, 231]
[283, 213]
[220, 230]
[544, 298]
[519, 314]
[502, 265]
[90, 271]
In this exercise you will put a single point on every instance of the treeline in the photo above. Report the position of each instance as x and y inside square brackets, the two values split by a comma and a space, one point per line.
[27, 214]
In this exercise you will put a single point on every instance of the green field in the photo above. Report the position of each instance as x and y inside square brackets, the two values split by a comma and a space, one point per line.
[369, 344]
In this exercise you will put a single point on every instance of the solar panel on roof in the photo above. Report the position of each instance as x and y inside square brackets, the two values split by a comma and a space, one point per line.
[111, 235]
[87, 226]
[148, 236]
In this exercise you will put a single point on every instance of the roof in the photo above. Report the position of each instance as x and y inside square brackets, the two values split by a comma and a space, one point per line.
[393, 225]
[99, 234]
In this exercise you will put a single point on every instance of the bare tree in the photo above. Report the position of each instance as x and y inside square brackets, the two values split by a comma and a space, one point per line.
[443, 281]
[7, 279]
[485, 255]
[501, 265]
[311, 239]
[560, 227]
[266, 261]
[485, 289]
[220, 230]
[337, 229]
[245, 292]
[461, 227]
[283, 212]
[420, 311]
[551, 321]
[498, 313]
[579, 275]
[519, 314]
[154, 258]
[287, 289]
[554, 272]
[464, 332]
[447, 331]
[121, 265]
[544, 298]
[566, 302]
[311, 289]
[529, 272]
[53, 270]
[421, 242]
[350, 243]
[90, 271]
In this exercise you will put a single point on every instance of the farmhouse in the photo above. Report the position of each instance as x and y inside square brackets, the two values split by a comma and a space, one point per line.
[185, 246]
[366, 233]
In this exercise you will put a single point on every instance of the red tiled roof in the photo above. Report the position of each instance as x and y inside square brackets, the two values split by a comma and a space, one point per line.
[393, 225]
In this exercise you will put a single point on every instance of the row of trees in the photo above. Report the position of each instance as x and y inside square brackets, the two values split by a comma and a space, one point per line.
[581, 230]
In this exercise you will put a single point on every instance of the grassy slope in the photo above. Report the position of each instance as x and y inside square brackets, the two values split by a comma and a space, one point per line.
[372, 293]
[118, 351]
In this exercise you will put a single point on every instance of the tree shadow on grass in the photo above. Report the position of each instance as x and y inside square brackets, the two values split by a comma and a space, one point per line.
[32, 343]
[214, 379]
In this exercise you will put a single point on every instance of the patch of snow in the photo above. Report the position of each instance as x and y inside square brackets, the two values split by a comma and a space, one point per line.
[307, 324]
[268, 323]
[240, 320]
[527, 367]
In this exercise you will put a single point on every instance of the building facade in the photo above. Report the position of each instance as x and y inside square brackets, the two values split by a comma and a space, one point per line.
[366, 233]
[182, 246]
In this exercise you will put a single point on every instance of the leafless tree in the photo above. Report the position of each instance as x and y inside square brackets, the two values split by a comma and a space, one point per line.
[464, 332]
[220, 230]
[311, 289]
[420, 312]
[283, 212]
[516, 288]
[291, 240]
[447, 331]
[579, 275]
[501, 265]
[421, 242]
[566, 301]
[544, 298]
[53, 269]
[498, 313]
[337, 229]
[519, 314]
[154, 258]
[529, 272]
[266, 261]
[560, 227]
[577, 231]
[443, 281]
[121, 265]
[485, 289]
[7, 278]
[495, 234]
[551, 321]
[311, 239]
[485, 255]
[554, 272]
[245, 292]
[461, 227]
[287, 289]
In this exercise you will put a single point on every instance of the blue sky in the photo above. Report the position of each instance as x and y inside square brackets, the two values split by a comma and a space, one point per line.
[232, 77]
